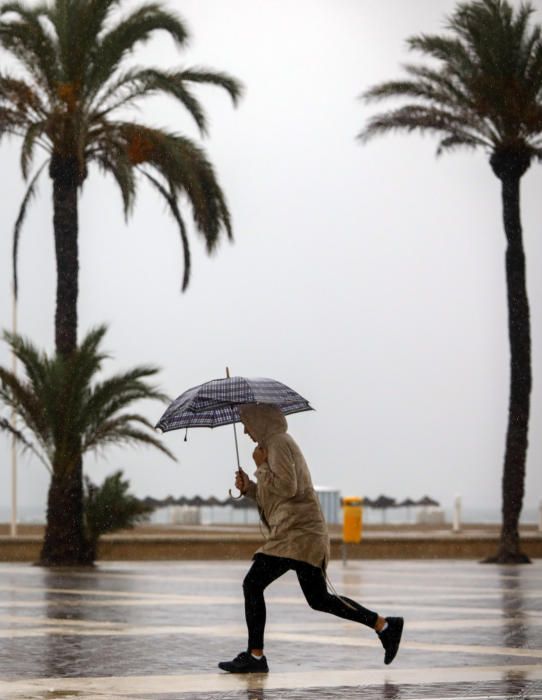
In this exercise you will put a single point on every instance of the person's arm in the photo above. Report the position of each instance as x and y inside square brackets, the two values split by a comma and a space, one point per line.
[276, 473]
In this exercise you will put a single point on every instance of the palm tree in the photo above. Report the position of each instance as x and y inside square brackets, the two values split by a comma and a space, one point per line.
[68, 99]
[110, 507]
[73, 86]
[482, 88]
[65, 412]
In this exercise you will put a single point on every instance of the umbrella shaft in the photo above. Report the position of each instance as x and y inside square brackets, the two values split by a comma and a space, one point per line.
[236, 446]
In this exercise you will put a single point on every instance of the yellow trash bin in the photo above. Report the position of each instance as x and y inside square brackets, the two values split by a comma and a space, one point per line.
[352, 519]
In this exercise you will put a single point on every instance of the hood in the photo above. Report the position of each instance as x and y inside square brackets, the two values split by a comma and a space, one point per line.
[263, 420]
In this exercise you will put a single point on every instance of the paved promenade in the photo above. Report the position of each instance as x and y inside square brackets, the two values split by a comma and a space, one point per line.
[155, 631]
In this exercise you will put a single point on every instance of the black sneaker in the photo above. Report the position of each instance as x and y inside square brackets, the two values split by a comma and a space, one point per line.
[245, 663]
[391, 638]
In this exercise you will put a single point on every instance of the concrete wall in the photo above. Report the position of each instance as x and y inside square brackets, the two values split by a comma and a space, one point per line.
[149, 547]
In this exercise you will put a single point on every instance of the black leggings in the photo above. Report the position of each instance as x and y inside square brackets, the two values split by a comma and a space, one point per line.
[266, 569]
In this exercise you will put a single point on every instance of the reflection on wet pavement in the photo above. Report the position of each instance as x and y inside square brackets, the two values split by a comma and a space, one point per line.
[155, 631]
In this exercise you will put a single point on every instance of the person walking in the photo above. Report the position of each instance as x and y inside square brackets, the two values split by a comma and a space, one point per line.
[296, 539]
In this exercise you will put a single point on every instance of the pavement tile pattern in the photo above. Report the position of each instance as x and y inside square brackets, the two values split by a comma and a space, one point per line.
[155, 631]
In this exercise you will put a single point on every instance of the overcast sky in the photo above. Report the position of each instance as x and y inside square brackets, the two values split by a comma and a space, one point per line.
[369, 278]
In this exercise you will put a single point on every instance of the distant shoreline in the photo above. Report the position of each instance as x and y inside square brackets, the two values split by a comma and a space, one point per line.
[397, 516]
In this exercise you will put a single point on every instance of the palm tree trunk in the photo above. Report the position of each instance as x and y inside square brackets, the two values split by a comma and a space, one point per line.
[510, 170]
[64, 174]
[64, 542]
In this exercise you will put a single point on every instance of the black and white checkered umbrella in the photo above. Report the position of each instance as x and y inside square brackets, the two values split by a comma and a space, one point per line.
[217, 402]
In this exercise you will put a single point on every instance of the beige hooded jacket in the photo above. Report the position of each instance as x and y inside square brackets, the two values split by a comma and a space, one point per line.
[284, 491]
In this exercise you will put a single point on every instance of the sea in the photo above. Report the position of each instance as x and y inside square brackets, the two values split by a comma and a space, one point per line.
[227, 515]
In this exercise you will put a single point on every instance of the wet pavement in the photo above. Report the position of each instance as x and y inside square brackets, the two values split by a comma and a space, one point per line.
[155, 631]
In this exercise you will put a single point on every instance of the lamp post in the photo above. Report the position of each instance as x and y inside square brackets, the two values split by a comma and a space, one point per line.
[13, 528]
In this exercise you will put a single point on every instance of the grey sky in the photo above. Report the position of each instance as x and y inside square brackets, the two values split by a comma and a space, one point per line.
[369, 278]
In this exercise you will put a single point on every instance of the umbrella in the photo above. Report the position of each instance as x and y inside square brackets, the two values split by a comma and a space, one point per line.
[407, 503]
[217, 403]
[213, 501]
[384, 502]
[427, 501]
[196, 501]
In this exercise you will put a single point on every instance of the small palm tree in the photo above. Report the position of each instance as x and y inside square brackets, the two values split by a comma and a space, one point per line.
[482, 88]
[68, 98]
[64, 411]
[110, 507]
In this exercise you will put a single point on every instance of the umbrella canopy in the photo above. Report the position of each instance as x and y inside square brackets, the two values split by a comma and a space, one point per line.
[213, 501]
[196, 501]
[384, 502]
[217, 402]
[426, 501]
[407, 503]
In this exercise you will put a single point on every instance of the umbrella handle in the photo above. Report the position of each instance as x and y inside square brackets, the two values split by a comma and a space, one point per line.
[236, 498]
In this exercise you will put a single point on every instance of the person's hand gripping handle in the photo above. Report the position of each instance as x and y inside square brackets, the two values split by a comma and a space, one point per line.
[241, 480]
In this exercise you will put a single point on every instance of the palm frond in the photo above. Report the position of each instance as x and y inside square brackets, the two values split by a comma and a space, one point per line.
[455, 141]
[121, 88]
[19, 396]
[73, 53]
[22, 97]
[95, 15]
[11, 122]
[137, 83]
[66, 410]
[439, 90]
[107, 398]
[122, 431]
[417, 118]
[446, 50]
[171, 202]
[33, 132]
[441, 87]
[208, 77]
[23, 441]
[35, 363]
[115, 161]
[29, 195]
[83, 365]
[26, 38]
[110, 507]
[483, 87]
[135, 28]
[79, 34]
[185, 168]
[172, 84]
